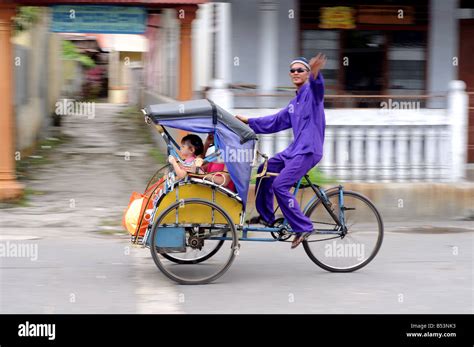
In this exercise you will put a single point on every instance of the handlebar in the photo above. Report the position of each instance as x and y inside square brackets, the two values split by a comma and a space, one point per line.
[265, 165]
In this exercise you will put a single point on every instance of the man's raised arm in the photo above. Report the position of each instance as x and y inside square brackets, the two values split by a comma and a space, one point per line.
[316, 80]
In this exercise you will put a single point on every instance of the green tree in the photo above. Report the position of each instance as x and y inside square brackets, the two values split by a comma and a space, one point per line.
[25, 18]
[70, 52]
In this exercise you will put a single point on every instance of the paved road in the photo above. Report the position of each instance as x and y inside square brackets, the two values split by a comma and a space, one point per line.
[77, 261]
[413, 273]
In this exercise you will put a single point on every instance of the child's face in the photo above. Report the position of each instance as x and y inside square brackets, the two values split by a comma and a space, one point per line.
[187, 150]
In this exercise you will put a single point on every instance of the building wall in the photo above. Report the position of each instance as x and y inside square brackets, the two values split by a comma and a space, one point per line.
[161, 68]
[201, 48]
[132, 59]
[72, 77]
[38, 81]
[245, 40]
[443, 44]
[162, 59]
[55, 70]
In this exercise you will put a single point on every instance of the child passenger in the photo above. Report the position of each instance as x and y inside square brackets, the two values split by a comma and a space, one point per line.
[191, 148]
[193, 151]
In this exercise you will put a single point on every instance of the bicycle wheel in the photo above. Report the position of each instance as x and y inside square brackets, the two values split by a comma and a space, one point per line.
[354, 250]
[182, 266]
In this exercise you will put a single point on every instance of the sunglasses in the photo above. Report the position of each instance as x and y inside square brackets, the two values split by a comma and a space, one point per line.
[299, 70]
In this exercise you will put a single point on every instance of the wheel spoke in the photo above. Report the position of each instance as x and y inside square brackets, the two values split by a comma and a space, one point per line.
[325, 223]
[348, 253]
[192, 266]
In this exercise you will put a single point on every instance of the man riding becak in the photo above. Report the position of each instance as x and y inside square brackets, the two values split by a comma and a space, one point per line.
[305, 115]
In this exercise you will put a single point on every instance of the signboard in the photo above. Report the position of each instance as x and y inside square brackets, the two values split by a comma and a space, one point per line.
[368, 14]
[98, 19]
[338, 17]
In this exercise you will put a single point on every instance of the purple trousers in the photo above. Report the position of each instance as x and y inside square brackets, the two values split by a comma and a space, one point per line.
[291, 170]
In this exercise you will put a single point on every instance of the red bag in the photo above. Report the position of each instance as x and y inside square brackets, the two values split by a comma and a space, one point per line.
[138, 213]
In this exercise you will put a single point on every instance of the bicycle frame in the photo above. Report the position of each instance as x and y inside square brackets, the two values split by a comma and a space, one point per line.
[320, 195]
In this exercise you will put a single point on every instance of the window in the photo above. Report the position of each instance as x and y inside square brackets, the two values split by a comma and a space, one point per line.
[406, 62]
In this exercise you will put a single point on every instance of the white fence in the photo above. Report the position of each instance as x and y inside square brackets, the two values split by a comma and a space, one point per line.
[389, 144]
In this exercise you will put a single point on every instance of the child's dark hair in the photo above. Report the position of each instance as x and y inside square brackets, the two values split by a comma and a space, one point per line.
[196, 142]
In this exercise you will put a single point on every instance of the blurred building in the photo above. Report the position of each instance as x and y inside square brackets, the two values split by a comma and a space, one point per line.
[90, 82]
[38, 72]
[125, 52]
[376, 47]
[185, 9]
[380, 51]
[393, 48]
[237, 52]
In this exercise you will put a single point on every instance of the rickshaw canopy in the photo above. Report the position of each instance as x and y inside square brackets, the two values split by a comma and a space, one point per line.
[234, 139]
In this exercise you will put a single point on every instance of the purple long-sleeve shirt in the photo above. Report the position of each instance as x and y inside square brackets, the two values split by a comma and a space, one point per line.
[305, 114]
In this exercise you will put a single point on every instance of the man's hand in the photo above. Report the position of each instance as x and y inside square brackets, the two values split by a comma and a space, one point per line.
[317, 63]
[209, 140]
[243, 119]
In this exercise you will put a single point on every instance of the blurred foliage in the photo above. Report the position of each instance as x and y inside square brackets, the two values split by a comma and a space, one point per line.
[316, 176]
[70, 52]
[25, 18]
